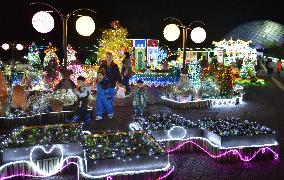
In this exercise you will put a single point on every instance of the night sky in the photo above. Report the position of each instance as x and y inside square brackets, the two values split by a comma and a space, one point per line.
[144, 19]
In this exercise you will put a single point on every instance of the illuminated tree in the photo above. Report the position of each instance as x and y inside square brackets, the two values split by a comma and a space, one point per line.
[73, 64]
[71, 55]
[226, 81]
[50, 53]
[34, 59]
[248, 70]
[51, 66]
[114, 41]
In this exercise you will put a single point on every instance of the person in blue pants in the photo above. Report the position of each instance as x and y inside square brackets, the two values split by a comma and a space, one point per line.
[112, 73]
[104, 101]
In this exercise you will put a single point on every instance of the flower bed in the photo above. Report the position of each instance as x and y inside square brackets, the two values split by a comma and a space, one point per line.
[117, 153]
[251, 82]
[20, 143]
[236, 132]
[168, 127]
[220, 139]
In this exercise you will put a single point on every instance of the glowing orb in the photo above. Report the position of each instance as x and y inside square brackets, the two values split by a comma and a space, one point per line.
[198, 35]
[171, 32]
[85, 25]
[19, 47]
[43, 22]
[5, 46]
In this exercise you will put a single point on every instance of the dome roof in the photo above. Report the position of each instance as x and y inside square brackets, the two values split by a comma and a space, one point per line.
[264, 33]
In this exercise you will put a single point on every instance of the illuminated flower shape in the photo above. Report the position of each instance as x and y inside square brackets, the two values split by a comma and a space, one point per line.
[43, 22]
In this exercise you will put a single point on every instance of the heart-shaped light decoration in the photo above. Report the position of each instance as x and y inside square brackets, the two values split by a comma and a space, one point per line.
[55, 169]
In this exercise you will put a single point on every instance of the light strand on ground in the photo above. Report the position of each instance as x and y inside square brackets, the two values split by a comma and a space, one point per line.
[233, 151]
[167, 174]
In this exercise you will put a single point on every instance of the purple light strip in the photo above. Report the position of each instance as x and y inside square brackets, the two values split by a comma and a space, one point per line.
[109, 178]
[29, 175]
[234, 151]
[167, 174]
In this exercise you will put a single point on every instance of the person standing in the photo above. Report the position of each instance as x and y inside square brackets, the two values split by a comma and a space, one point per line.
[83, 91]
[257, 66]
[113, 74]
[126, 72]
[103, 98]
[279, 67]
[270, 68]
[140, 98]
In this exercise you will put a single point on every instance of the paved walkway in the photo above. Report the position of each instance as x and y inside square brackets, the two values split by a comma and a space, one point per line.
[264, 105]
[277, 80]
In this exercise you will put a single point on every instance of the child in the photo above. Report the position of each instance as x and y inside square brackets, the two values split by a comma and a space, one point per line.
[83, 91]
[103, 96]
[140, 98]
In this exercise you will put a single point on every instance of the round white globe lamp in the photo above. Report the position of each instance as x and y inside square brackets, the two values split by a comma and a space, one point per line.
[43, 22]
[85, 25]
[5, 46]
[19, 47]
[171, 32]
[198, 35]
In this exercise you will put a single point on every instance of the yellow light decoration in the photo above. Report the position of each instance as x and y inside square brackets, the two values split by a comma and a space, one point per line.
[85, 25]
[114, 41]
[171, 32]
[43, 22]
[198, 35]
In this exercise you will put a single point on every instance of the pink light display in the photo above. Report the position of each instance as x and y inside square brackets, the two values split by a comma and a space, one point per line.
[167, 174]
[233, 151]
[38, 176]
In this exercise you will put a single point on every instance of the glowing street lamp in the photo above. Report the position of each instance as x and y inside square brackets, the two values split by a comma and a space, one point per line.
[85, 25]
[172, 33]
[198, 35]
[5, 46]
[19, 47]
[43, 22]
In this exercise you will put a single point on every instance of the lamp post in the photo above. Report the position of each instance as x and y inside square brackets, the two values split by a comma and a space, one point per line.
[12, 46]
[172, 32]
[64, 19]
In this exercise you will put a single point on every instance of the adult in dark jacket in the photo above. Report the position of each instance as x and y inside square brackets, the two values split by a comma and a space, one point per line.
[126, 71]
[65, 83]
[112, 73]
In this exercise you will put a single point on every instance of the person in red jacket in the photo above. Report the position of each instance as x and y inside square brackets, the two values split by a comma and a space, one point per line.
[279, 67]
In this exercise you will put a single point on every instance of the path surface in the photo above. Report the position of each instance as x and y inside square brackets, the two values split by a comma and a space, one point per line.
[264, 105]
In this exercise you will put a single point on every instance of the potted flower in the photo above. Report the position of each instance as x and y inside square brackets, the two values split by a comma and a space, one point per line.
[185, 94]
[56, 105]
[59, 99]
